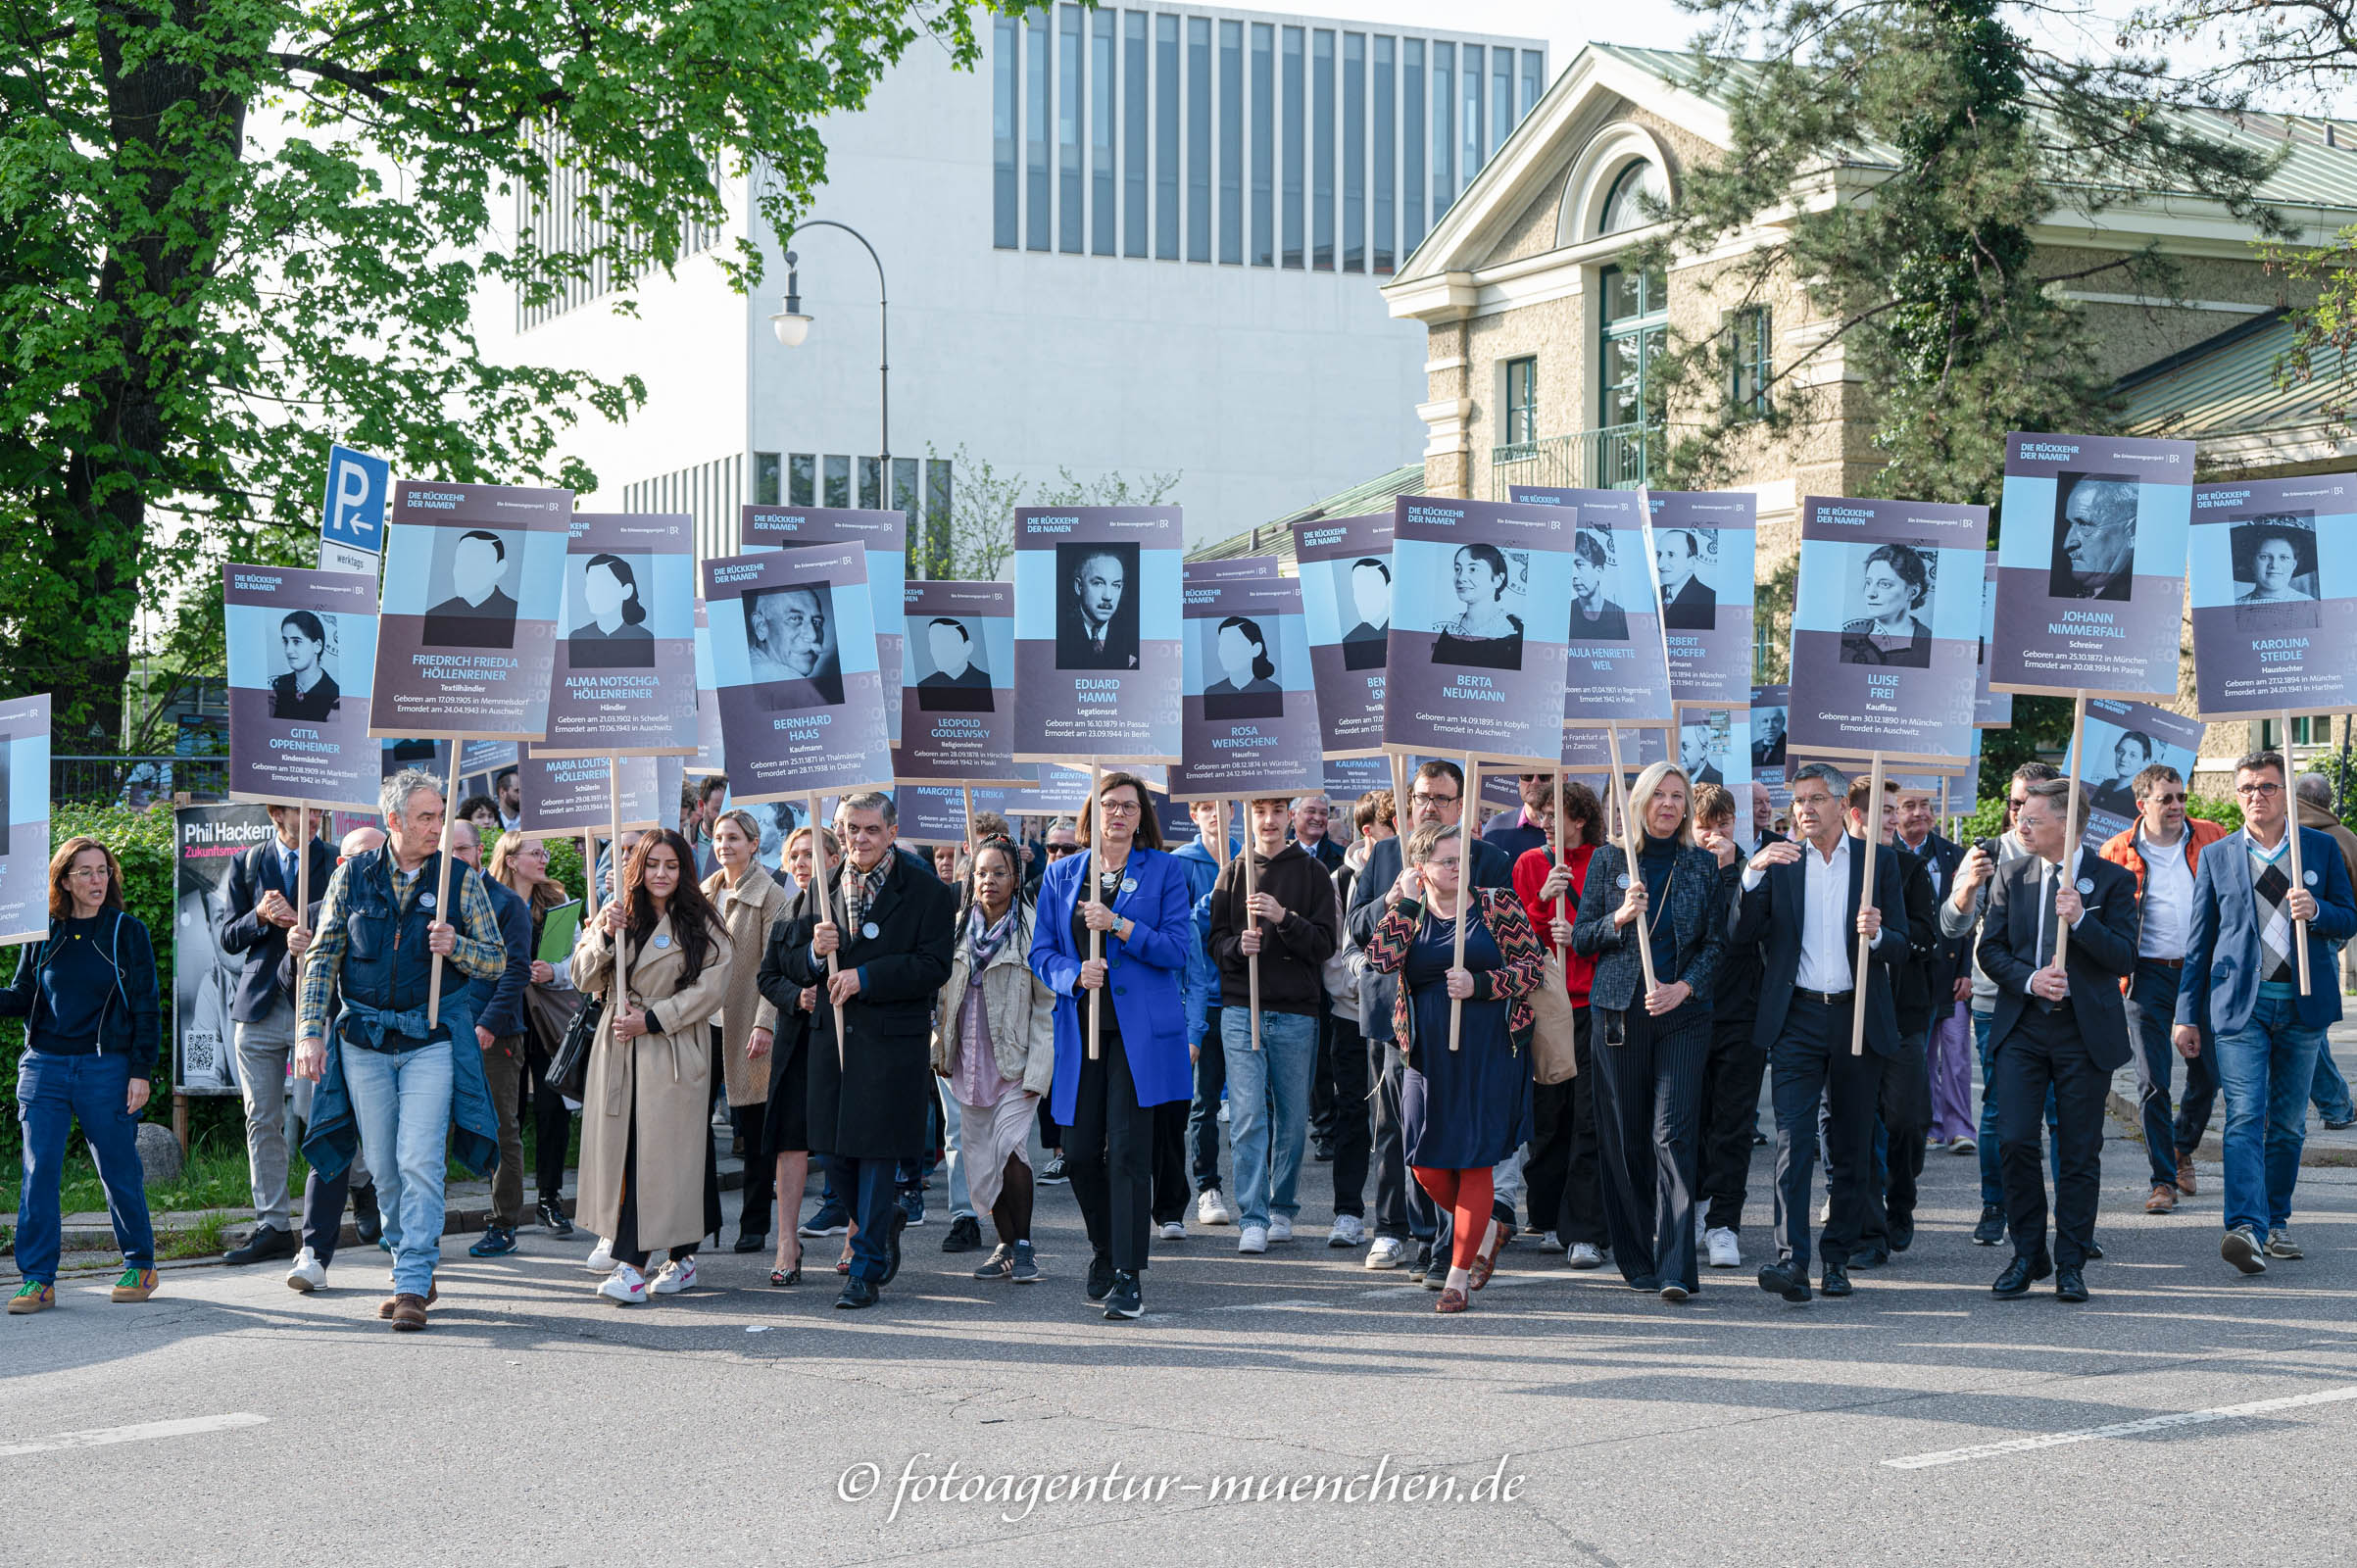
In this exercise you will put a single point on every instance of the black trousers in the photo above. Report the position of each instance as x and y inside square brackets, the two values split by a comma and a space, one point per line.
[1731, 1078]
[552, 1126]
[1354, 1116]
[1324, 1098]
[1905, 1112]
[324, 1212]
[1648, 1125]
[1810, 1062]
[626, 1247]
[1202, 1111]
[1565, 1183]
[752, 1124]
[2045, 1049]
[1108, 1153]
[1172, 1191]
[1403, 1209]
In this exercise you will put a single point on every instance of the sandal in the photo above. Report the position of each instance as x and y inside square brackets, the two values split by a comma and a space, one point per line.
[1451, 1299]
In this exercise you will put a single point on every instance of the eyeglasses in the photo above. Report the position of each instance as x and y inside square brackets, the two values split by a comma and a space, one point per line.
[1057, 852]
[2167, 799]
[2261, 791]
[1119, 807]
[1420, 797]
[2016, 802]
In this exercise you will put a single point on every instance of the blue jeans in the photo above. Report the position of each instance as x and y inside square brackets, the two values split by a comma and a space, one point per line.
[2265, 1067]
[2330, 1090]
[1993, 1183]
[2152, 1010]
[1268, 1108]
[402, 1102]
[961, 1201]
[52, 1091]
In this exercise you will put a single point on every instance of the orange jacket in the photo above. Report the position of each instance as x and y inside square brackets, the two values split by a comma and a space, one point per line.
[2121, 850]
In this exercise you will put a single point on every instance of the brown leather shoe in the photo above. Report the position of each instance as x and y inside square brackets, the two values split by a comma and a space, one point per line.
[2185, 1173]
[1451, 1299]
[409, 1313]
[2163, 1199]
[384, 1308]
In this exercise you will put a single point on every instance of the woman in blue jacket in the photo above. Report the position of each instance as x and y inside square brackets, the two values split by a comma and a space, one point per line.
[88, 996]
[1105, 1104]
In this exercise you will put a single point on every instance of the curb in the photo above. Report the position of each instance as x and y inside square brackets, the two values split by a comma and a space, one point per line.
[2214, 1149]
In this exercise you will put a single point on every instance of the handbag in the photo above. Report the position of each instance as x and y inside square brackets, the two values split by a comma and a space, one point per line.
[1554, 1056]
[569, 1068]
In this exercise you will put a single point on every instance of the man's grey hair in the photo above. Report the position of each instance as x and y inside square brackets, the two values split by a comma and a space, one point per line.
[1300, 801]
[395, 796]
[2316, 789]
[2109, 502]
[2061, 795]
[1833, 777]
[869, 800]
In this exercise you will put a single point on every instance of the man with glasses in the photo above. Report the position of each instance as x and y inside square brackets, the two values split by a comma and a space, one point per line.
[1519, 831]
[2162, 848]
[2240, 981]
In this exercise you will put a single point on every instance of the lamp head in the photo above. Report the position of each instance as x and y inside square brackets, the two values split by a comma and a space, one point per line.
[791, 324]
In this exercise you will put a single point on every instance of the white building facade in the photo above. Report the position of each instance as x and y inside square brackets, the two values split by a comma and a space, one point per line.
[1139, 241]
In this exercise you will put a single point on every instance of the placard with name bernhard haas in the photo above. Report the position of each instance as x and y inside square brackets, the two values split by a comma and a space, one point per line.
[1704, 547]
[793, 650]
[957, 707]
[1991, 709]
[2274, 596]
[885, 537]
[24, 792]
[1886, 627]
[1345, 566]
[1250, 697]
[2123, 739]
[2091, 566]
[474, 577]
[1475, 653]
[569, 795]
[1097, 655]
[711, 755]
[1616, 669]
[301, 651]
[625, 679]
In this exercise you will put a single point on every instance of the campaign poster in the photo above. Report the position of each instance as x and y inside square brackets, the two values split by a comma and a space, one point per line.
[2091, 566]
[1886, 629]
[711, 755]
[1991, 709]
[794, 656]
[1617, 667]
[474, 577]
[1099, 646]
[1476, 651]
[1234, 568]
[2274, 596]
[206, 839]
[1346, 576]
[885, 537]
[1252, 726]
[24, 848]
[1771, 713]
[958, 704]
[301, 652]
[626, 674]
[566, 795]
[2123, 739]
[1704, 566]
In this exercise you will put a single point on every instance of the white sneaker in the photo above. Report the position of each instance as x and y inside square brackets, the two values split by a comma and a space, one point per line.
[624, 1287]
[1389, 1251]
[1223, 1113]
[678, 1275]
[1550, 1242]
[1825, 1210]
[1701, 1225]
[1174, 1230]
[1349, 1231]
[307, 1273]
[601, 1261]
[1253, 1240]
[1584, 1254]
[1726, 1249]
[1212, 1209]
[1280, 1227]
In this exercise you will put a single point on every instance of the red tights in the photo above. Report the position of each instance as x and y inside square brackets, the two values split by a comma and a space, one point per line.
[1467, 1194]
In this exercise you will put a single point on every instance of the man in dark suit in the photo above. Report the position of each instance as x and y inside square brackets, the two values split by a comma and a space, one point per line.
[1096, 621]
[1768, 750]
[263, 882]
[1802, 908]
[479, 613]
[2062, 1027]
[1688, 602]
[1905, 1112]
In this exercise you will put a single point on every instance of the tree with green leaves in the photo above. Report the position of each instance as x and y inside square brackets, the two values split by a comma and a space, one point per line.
[979, 539]
[235, 229]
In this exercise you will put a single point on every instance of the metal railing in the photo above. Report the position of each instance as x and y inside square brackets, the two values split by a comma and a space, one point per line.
[138, 781]
[1612, 457]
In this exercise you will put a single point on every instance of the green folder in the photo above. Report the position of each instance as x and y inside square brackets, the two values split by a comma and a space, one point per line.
[558, 930]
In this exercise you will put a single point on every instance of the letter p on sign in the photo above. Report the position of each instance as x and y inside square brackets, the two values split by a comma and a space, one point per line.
[351, 514]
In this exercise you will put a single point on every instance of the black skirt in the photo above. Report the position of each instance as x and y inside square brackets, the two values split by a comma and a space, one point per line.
[786, 1121]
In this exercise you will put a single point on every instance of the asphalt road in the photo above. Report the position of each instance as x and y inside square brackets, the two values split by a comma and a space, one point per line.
[534, 1424]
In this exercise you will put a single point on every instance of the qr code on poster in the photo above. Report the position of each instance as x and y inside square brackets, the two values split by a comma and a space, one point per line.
[200, 1056]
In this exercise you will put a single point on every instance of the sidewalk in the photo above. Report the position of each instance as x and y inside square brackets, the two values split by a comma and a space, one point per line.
[2324, 1146]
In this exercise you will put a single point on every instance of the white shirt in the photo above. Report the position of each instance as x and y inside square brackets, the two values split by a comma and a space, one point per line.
[1824, 940]
[2047, 882]
[2168, 896]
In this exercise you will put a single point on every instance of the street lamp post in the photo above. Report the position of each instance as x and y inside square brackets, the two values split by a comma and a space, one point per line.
[793, 324]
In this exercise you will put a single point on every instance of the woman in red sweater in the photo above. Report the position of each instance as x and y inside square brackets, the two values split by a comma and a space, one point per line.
[1566, 1190]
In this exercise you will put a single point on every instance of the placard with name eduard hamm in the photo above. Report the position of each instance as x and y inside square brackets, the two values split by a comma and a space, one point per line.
[2091, 566]
[1476, 653]
[1098, 648]
[1617, 667]
[1886, 629]
[1704, 562]
[885, 537]
[794, 655]
[1252, 725]
[1345, 566]
[301, 658]
[473, 579]
[957, 707]
[24, 790]
[2274, 596]
[625, 682]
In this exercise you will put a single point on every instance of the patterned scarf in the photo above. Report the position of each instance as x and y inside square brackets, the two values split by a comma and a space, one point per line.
[983, 941]
[2271, 885]
[861, 888]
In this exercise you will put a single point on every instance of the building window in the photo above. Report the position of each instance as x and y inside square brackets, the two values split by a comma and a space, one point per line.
[1522, 401]
[1166, 137]
[1198, 138]
[1636, 320]
[1294, 152]
[1501, 98]
[1133, 132]
[1321, 149]
[838, 480]
[1034, 150]
[2305, 731]
[872, 484]
[1265, 144]
[1531, 83]
[1231, 143]
[1411, 145]
[1443, 127]
[1624, 206]
[801, 479]
[1102, 204]
[1005, 109]
[1476, 150]
[1354, 152]
[1751, 349]
[766, 468]
[1069, 105]
[1386, 164]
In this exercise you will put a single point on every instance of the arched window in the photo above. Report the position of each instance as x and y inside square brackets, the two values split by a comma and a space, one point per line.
[1624, 207]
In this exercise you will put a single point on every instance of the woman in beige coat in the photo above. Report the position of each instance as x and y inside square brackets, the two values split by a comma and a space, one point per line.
[749, 902]
[647, 1173]
[994, 1040]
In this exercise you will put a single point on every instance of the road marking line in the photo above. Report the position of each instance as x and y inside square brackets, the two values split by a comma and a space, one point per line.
[103, 1437]
[2124, 1429]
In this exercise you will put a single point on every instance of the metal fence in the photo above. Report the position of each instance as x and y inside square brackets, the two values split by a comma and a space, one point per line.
[1612, 457]
[138, 781]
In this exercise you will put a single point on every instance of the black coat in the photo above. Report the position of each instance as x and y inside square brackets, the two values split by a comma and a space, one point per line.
[870, 1099]
[2102, 950]
[1773, 916]
[252, 874]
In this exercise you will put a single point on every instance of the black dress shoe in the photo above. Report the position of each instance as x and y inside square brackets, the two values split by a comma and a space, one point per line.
[891, 1244]
[2094, 1253]
[2019, 1276]
[965, 1234]
[751, 1242]
[1992, 1229]
[1100, 1277]
[2069, 1284]
[1902, 1235]
[497, 1242]
[1836, 1280]
[857, 1293]
[1787, 1279]
[1124, 1299]
[1873, 1257]
[552, 1215]
[368, 1225]
[1422, 1265]
[267, 1243]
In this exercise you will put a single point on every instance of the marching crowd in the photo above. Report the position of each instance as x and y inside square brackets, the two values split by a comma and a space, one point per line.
[1540, 1028]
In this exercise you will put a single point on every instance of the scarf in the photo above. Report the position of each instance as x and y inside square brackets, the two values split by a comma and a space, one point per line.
[983, 942]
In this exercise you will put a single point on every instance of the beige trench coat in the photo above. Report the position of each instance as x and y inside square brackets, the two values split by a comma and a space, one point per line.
[672, 1072]
[1020, 1008]
[749, 909]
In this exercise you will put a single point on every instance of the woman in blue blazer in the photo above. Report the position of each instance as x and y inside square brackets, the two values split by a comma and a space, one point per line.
[1106, 1105]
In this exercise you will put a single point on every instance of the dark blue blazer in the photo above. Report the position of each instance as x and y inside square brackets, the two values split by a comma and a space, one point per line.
[2101, 953]
[252, 874]
[1143, 976]
[1772, 916]
[2221, 952]
[1697, 913]
[499, 1002]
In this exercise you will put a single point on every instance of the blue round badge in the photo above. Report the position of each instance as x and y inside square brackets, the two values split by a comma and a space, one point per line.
[663, 939]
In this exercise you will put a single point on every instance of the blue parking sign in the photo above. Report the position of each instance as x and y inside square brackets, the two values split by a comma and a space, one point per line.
[352, 513]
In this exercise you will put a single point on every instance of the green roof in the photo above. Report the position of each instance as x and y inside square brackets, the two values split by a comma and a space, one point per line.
[2226, 387]
[1276, 538]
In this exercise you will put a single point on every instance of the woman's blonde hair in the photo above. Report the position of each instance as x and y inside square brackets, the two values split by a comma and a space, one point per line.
[546, 896]
[1640, 801]
[1426, 841]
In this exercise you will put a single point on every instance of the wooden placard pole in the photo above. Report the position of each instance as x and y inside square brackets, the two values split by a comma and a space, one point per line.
[591, 894]
[2291, 836]
[621, 957]
[1629, 839]
[1251, 890]
[1874, 841]
[1563, 899]
[2069, 840]
[450, 811]
[1095, 812]
[1468, 805]
[826, 906]
[302, 867]
[966, 792]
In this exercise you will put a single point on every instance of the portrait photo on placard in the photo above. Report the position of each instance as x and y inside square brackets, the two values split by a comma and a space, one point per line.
[1480, 619]
[1244, 657]
[471, 589]
[1767, 735]
[1362, 590]
[304, 650]
[1596, 615]
[1096, 607]
[2275, 572]
[1887, 610]
[2114, 757]
[1686, 562]
[790, 638]
[1702, 743]
[2094, 536]
[608, 600]
[951, 666]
